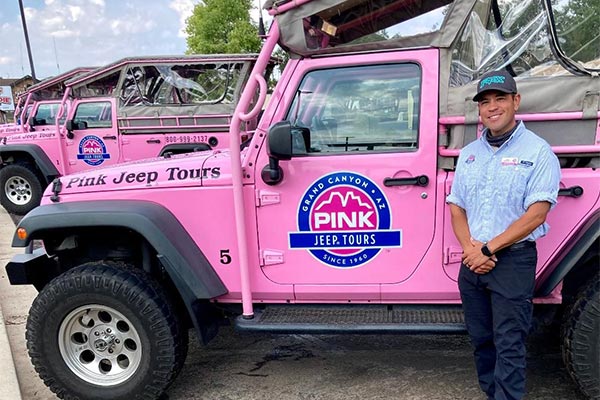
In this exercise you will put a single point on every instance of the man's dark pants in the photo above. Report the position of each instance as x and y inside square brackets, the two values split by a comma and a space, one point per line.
[498, 312]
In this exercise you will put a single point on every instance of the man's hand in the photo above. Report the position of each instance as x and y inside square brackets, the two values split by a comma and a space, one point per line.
[476, 261]
[472, 255]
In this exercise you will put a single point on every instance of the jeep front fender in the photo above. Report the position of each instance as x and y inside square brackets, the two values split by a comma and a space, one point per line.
[36, 153]
[185, 263]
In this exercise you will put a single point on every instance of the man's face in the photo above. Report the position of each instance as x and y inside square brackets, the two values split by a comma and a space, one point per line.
[497, 111]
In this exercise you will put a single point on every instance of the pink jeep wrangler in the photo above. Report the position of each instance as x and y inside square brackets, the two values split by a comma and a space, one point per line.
[132, 109]
[332, 218]
[41, 101]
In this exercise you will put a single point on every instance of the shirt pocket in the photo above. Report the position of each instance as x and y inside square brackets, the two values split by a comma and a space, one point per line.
[512, 183]
[472, 177]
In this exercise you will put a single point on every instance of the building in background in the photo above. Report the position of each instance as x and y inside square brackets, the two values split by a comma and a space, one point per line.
[10, 89]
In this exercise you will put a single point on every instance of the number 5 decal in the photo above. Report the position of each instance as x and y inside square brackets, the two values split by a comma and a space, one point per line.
[225, 257]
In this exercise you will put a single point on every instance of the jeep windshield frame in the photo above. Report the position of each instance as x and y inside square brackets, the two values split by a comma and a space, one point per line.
[576, 22]
[49, 89]
[176, 85]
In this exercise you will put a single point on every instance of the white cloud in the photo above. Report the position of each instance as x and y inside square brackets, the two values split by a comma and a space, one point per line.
[184, 9]
[52, 23]
[64, 33]
[30, 14]
[6, 60]
[75, 12]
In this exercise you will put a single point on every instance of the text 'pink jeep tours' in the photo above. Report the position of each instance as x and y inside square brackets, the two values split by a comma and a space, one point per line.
[332, 217]
[132, 109]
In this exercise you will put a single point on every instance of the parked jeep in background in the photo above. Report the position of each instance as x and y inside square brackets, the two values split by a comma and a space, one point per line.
[340, 222]
[41, 102]
[132, 109]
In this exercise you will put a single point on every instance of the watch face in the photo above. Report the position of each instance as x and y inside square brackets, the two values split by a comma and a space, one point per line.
[486, 251]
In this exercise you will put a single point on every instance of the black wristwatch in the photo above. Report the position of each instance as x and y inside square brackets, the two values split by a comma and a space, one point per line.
[486, 251]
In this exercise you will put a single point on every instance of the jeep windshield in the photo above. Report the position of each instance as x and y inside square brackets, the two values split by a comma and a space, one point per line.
[172, 85]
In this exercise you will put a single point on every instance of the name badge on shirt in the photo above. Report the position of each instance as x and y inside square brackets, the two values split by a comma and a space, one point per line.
[509, 161]
[526, 163]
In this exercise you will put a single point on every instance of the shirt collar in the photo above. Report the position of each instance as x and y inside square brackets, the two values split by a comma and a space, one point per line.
[518, 131]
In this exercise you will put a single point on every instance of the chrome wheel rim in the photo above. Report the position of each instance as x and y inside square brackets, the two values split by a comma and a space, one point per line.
[100, 345]
[18, 190]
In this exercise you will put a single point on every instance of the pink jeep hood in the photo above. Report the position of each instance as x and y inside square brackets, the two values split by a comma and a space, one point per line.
[184, 170]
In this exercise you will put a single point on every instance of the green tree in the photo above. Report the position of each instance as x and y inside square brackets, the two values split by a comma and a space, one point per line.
[578, 29]
[222, 26]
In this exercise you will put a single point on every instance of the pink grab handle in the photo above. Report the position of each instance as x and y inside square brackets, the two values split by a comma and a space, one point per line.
[262, 95]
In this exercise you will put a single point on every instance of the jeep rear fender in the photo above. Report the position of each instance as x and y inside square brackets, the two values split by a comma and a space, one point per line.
[570, 256]
[36, 153]
[185, 263]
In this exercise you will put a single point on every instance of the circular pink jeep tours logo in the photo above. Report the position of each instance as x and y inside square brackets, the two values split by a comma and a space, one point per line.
[344, 221]
[92, 150]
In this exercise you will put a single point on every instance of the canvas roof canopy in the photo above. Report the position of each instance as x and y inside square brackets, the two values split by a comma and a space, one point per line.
[53, 88]
[169, 85]
[540, 42]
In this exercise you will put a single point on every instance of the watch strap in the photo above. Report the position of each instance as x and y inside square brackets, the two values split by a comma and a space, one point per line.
[486, 251]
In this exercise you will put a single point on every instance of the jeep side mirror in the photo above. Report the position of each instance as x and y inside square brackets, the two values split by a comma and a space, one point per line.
[279, 148]
[280, 141]
[70, 126]
[32, 122]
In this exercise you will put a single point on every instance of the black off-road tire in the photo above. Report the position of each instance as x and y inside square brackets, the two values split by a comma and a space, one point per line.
[21, 188]
[581, 340]
[68, 329]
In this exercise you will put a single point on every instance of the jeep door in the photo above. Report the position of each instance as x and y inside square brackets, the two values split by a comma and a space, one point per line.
[44, 117]
[93, 141]
[357, 201]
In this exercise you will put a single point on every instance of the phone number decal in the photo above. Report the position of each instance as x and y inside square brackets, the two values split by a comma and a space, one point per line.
[187, 139]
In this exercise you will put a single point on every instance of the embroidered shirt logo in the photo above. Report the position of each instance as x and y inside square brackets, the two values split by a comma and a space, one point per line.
[509, 161]
[470, 159]
[491, 80]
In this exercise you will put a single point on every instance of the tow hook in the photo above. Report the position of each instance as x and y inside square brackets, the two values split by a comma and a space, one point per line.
[56, 188]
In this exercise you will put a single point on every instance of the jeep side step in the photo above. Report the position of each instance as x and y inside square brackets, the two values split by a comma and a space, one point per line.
[359, 319]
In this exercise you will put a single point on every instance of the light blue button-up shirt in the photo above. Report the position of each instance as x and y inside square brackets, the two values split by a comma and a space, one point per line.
[495, 187]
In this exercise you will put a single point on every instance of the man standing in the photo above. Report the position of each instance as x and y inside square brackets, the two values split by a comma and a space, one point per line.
[505, 184]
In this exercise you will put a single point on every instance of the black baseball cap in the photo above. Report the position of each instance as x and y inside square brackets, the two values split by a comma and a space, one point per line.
[501, 81]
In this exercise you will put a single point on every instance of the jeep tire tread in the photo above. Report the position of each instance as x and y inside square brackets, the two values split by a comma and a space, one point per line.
[99, 308]
[581, 348]
[20, 188]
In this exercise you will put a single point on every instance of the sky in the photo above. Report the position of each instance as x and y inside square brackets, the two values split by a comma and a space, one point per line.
[66, 34]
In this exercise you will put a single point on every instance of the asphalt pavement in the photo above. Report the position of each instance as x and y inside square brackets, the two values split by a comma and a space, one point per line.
[293, 367]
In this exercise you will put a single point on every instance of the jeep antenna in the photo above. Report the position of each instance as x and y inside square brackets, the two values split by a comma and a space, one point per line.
[262, 33]
[55, 54]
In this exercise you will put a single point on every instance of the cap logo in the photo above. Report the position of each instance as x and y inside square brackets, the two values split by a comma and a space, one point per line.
[490, 80]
